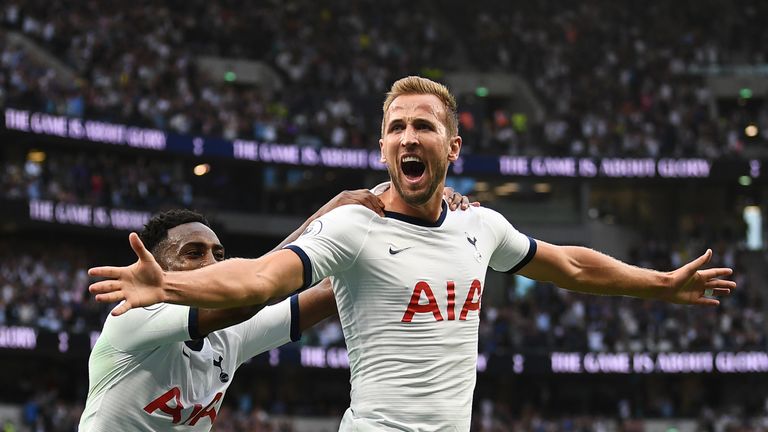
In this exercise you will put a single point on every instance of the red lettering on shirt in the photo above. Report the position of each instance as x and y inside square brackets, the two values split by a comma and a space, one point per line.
[451, 301]
[469, 304]
[414, 307]
[208, 411]
[198, 412]
[161, 403]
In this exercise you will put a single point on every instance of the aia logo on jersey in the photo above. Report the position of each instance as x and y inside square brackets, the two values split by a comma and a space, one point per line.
[470, 304]
[170, 403]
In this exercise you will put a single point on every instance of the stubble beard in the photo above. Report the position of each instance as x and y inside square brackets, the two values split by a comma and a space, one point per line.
[416, 199]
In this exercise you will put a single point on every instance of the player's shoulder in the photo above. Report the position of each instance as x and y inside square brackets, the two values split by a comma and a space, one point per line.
[351, 213]
[138, 316]
[480, 212]
[481, 217]
[344, 220]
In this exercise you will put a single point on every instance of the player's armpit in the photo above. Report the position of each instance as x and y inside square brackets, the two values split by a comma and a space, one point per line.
[316, 304]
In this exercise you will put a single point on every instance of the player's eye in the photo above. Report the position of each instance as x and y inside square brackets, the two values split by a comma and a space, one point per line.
[194, 254]
[424, 126]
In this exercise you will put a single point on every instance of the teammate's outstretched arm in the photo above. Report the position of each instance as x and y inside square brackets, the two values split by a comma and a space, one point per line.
[230, 283]
[585, 270]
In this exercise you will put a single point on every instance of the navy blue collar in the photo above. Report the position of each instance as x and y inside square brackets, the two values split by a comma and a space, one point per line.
[418, 221]
[195, 344]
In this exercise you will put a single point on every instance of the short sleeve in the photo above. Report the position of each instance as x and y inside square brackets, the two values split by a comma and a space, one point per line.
[332, 243]
[145, 328]
[513, 249]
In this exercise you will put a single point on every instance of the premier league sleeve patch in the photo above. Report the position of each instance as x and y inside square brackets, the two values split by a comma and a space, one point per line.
[313, 229]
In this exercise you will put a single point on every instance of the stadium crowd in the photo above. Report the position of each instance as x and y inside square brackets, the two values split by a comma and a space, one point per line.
[97, 178]
[615, 80]
[46, 286]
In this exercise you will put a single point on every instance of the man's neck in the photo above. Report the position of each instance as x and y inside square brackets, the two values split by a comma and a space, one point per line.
[429, 211]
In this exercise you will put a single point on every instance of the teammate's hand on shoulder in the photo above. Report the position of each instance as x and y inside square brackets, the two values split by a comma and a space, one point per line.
[362, 197]
[139, 284]
[456, 200]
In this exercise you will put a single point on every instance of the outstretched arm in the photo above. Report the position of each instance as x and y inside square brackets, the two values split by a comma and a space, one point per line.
[230, 283]
[585, 270]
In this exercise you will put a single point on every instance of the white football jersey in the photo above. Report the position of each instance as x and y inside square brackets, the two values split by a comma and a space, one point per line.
[150, 370]
[408, 294]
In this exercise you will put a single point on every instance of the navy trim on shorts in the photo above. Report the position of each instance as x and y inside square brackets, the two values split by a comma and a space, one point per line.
[418, 221]
[295, 328]
[306, 263]
[527, 258]
[193, 326]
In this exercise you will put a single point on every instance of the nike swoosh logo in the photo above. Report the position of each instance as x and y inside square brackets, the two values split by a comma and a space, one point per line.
[397, 251]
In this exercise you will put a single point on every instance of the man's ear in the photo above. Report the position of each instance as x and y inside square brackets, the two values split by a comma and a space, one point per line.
[454, 148]
[383, 158]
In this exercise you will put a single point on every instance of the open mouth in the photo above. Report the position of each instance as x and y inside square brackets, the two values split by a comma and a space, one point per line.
[412, 167]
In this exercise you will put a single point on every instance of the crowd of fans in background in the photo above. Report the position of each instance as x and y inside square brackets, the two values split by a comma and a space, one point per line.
[614, 79]
[100, 179]
[46, 286]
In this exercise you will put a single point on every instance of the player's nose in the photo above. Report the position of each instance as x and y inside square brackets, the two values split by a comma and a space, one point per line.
[410, 136]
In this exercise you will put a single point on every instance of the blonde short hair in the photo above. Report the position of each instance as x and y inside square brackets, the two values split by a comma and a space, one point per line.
[418, 85]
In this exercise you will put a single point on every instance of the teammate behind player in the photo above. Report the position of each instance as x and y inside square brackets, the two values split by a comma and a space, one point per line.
[167, 367]
[408, 286]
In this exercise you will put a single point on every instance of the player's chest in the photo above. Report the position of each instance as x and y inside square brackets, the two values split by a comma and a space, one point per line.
[425, 276]
[407, 254]
[198, 376]
[203, 367]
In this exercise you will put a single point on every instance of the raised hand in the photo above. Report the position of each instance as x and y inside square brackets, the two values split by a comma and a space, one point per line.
[139, 284]
[691, 285]
[363, 197]
[457, 200]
